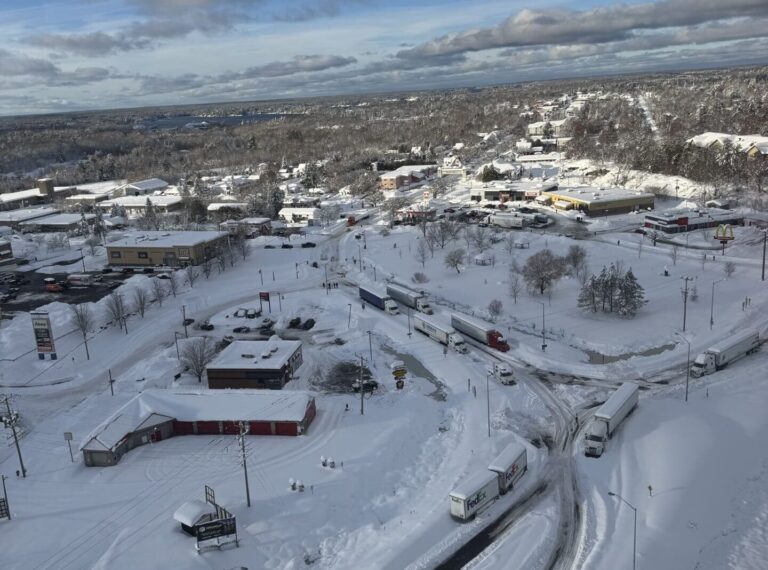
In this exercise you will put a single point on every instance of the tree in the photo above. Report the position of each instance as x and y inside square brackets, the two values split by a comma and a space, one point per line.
[455, 258]
[495, 308]
[81, 314]
[481, 239]
[243, 247]
[196, 354]
[515, 285]
[422, 252]
[576, 258]
[117, 309]
[508, 243]
[193, 274]
[729, 268]
[159, 290]
[149, 219]
[207, 267]
[630, 295]
[92, 242]
[589, 295]
[392, 206]
[542, 270]
[173, 283]
[673, 254]
[140, 300]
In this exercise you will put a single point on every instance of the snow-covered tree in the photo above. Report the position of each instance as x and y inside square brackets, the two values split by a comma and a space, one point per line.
[454, 259]
[495, 308]
[542, 270]
[630, 295]
[589, 295]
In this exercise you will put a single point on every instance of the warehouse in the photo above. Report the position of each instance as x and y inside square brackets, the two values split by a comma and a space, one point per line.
[136, 206]
[166, 248]
[15, 218]
[266, 364]
[67, 223]
[598, 201]
[155, 415]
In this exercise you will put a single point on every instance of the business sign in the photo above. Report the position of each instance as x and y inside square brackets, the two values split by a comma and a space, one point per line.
[724, 232]
[67, 436]
[215, 529]
[399, 373]
[41, 325]
[264, 296]
[4, 512]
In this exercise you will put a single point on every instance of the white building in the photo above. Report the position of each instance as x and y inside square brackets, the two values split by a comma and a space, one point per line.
[308, 215]
[144, 187]
[135, 206]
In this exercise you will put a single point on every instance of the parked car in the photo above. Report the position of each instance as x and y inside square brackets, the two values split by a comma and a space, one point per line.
[286, 246]
[241, 313]
[206, 326]
[309, 244]
[267, 322]
[308, 324]
[252, 313]
[269, 246]
[188, 322]
[294, 323]
[241, 329]
[449, 211]
[164, 276]
[358, 236]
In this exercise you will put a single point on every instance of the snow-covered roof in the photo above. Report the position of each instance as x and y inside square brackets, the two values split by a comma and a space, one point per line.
[256, 354]
[57, 220]
[141, 201]
[672, 216]
[507, 457]
[410, 170]
[740, 142]
[473, 484]
[148, 185]
[593, 195]
[153, 407]
[27, 214]
[192, 511]
[20, 195]
[216, 206]
[168, 239]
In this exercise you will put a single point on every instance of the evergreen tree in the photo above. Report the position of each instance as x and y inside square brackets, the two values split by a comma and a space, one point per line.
[630, 295]
[150, 220]
[589, 294]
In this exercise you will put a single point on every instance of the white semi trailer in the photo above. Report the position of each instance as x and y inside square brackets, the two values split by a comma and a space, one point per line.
[507, 220]
[510, 466]
[442, 333]
[725, 352]
[608, 417]
[473, 494]
[409, 298]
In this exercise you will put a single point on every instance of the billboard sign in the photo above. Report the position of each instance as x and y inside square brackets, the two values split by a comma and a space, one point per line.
[41, 325]
[264, 296]
[215, 529]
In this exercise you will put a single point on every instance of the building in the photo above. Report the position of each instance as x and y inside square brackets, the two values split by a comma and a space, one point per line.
[265, 364]
[6, 253]
[685, 220]
[406, 176]
[519, 190]
[310, 216]
[597, 201]
[44, 193]
[548, 129]
[233, 206]
[136, 206]
[154, 415]
[144, 187]
[15, 218]
[250, 227]
[67, 223]
[173, 249]
[452, 166]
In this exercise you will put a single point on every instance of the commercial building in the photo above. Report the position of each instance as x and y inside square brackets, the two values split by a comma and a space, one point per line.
[505, 191]
[264, 364]
[250, 227]
[155, 415]
[6, 253]
[136, 206]
[597, 201]
[67, 223]
[166, 248]
[144, 187]
[44, 193]
[15, 218]
[406, 176]
[685, 220]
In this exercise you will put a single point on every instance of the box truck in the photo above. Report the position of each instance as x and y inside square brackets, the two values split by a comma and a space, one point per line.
[509, 466]
[725, 352]
[473, 494]
[608, 417]
[409, 298]
[379, 299]
[444, 334]
[480, 331]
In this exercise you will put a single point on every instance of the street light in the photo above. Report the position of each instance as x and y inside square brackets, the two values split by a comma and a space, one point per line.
[488, 397]
[543, 329]
[712, 304]
[349, 319]
[184, 320]
[176, 336]
[688, 365]
[82, 258]
[370, 344]
[634, 541]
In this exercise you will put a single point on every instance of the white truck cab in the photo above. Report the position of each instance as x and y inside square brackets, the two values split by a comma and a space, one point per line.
[456, 341]
[703, 364]
[503, 372]
[594, 438]
[423, 305]
[391, 307]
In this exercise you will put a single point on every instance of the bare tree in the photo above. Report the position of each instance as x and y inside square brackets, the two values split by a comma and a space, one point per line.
[92, 242]
[193, 274]
[542, 270]
[481, 239]
[515, 285]
[422, 252]
[173, 283]
[196, 354]
[673, 254]
[469, 236]
[508, 243]
[118, 310]
[140, 300]
[207, 267]
[159, 290]
[495, 308]
[243, 247]
[576, 257]
[84, 322]
[729, 268]
[455, 258]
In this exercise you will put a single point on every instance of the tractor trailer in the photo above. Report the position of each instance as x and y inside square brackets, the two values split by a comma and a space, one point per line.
[409, 298]
[480, 331]
[608, 417]
[510, 466]
[444, 334]
[725, 352]
[379, 300]
[506, 220]
[473, 494]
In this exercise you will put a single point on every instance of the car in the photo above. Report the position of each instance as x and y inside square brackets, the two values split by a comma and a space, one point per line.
[206, 326]
[252, 313]
[294, 323]
[308, 324]
[286, 246]
[164, 276]
[269, 246]
[449, 211]
[187, 322]
[309, 244]
[148, 270]
[113, 284]
[639, 231]
[266, 322]
[127, 270]
[358, 236]
[241, 330]
[241, 313]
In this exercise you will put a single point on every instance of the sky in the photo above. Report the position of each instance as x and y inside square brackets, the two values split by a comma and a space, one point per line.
[67, 55]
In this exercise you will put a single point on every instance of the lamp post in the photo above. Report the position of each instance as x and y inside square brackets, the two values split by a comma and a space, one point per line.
[712, 304]
[184, 320]
[261, 277]
[82, 258]
[543, 329]
[370, 344]
[349, 318]
[688, 365]
[634, 540]
[176, 336]
[488, 399]
[327, 289]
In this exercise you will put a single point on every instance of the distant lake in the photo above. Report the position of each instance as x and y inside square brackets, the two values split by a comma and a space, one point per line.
[195, 122]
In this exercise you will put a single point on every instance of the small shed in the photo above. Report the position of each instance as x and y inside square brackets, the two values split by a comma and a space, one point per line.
[192, 513]
[483, 259]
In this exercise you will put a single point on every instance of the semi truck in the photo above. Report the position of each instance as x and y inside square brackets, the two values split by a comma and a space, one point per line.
[473, 494]
[608, 417]
[444, 334]
[507, 220]
[725, 352]
[480, 331]
[503, 372]
[82, 279]
[379, 299]
[510, 466]
[409, 298]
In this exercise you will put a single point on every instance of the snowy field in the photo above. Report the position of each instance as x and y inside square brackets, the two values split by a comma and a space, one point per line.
[387, 505]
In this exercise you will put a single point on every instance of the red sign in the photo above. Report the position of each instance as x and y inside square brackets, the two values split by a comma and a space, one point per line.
[264, 296]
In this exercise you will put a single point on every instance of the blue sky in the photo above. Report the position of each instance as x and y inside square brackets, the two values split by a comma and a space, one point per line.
[90, 54]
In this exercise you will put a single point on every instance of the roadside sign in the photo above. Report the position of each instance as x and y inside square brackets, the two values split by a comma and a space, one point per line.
[264, 296]
[4, 512]
[399, 373]
[41, 326]
[215, 529]
[67, 436]
[724, 232]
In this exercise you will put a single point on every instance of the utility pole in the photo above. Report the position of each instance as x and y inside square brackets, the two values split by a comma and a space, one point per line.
[184, 321]
[349, 318]
[685, 299]
[765, 238]
[543, 329]
[712, 304]
[370, 345]
[241, 439]
[111, 382]
[5, 496]
[488, 396]
[327, 289]
[10, 420]
[362, 392]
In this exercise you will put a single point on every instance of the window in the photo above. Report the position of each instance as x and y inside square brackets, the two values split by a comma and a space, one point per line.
[115, 254]
[143, 255]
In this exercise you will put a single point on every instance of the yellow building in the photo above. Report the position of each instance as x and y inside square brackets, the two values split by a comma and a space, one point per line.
[600, 201]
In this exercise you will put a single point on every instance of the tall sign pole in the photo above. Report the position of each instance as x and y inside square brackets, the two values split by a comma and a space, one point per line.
[241, 438]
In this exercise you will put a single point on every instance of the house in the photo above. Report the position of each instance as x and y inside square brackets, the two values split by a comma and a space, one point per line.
[154, 415]
[452, 166]
[250, 227]
[144, 187]
[406, 176]
[300, 214]
[753, 145]
[173, 249]
[264, 364]
[136, 206]
[547, 129]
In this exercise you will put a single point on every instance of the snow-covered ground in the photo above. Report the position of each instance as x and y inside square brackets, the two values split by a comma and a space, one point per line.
[387, 505]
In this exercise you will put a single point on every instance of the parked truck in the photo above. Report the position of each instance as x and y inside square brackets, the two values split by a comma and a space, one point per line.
[442, 333]
[480, 331]
[507, 220]
[379, 299]
[503, 372]
[725, 352]
[82, 279]
[510, 466]
[409, 298]
[608, 417]
[473, 494]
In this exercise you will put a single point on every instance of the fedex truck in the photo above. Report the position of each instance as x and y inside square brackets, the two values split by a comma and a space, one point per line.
[473, 494]
[510, 466]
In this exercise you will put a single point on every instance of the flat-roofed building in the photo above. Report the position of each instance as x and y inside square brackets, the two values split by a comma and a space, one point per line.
[68, 223]
[15, 218]
[599, 201]
[173, 249]
[687, 219]
[262, 364]
[136, 206]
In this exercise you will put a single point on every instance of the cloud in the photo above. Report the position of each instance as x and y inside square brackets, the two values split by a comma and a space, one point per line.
[92, 45]
[598, 25]
[20, 65]
[314, 10]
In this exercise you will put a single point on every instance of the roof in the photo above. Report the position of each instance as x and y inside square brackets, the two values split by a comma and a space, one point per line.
[168, 239]
[192, 511]
[473, 484]
[148, 185]
[152, 407]
[408, 170]
[740, 142]
[141, 201]
[612, 405]
[216, 206]
[57, 220]
[20, 195]
[27, 214]
[671, 216]
[250, 354]
[592, 195]
[507, 457]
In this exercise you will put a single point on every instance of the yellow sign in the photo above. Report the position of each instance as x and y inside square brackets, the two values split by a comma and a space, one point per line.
[399, 373]
[724, 232]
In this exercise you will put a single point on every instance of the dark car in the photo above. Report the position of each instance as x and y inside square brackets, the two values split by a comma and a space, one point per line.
[269, 246]
[294, 323]
[241, 329]
[309, 244]
[206, 326]
[449, 211]
[164, 276]
[286, 246]
[188, 322]
[127, 269]
[308, 324]
[358, 236]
